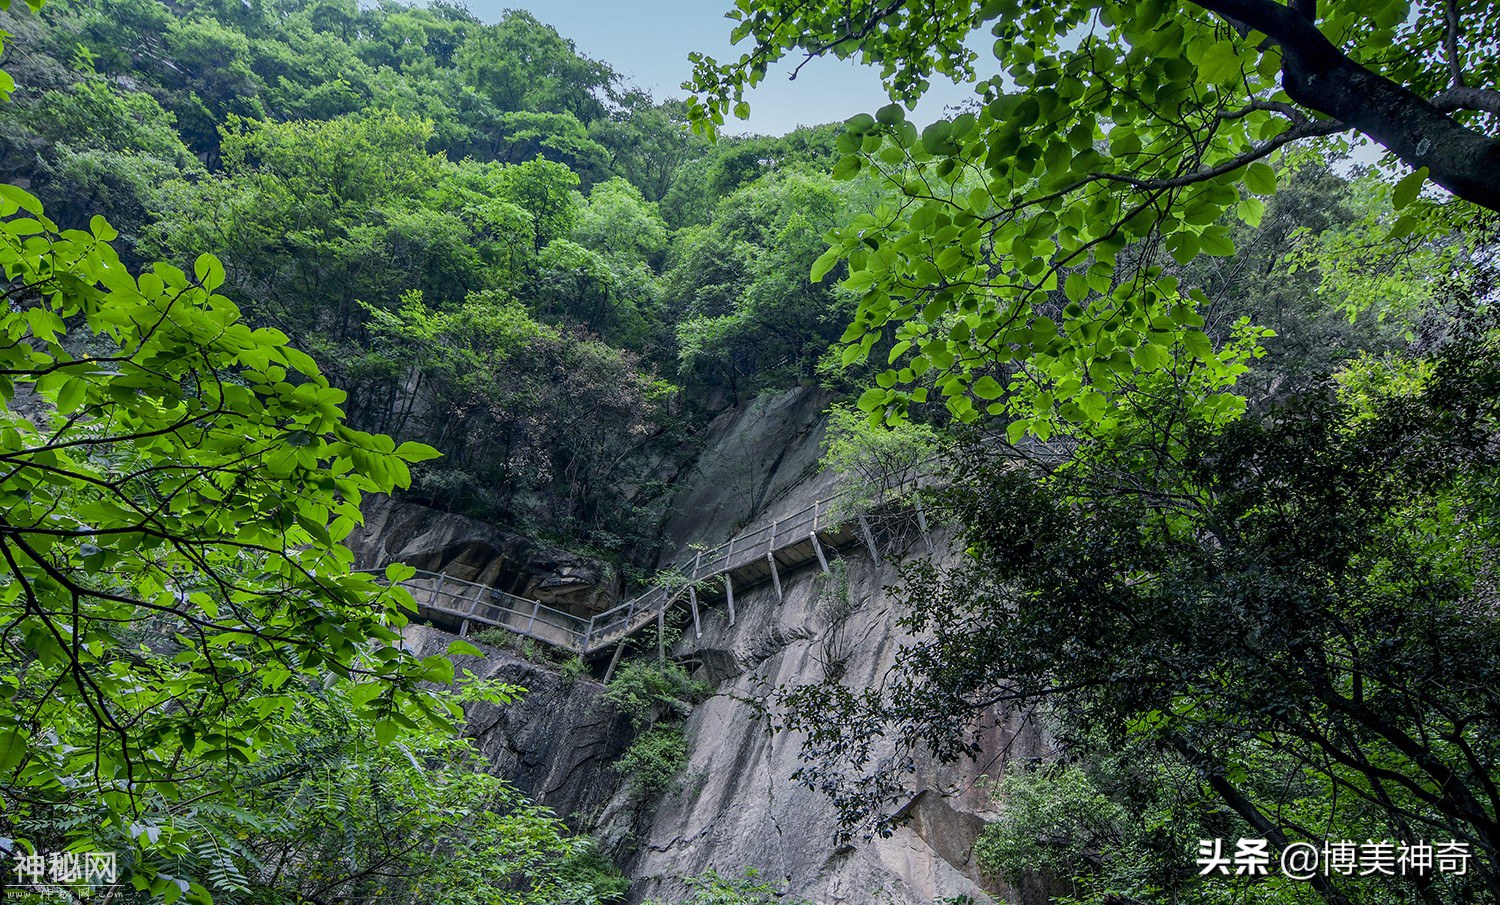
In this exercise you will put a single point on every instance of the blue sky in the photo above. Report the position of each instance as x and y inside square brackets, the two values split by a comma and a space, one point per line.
[648, 41]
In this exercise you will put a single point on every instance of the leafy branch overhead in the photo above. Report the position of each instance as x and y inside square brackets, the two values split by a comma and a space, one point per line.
[173, 505]
[1026, 262]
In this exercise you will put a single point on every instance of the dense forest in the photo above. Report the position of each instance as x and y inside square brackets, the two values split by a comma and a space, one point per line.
[487, 240]
[1215, 401]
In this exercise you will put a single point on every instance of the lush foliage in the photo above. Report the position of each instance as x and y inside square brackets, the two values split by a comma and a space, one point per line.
[881, 464]
[476, 229]
[649, 692]
[657, 697]
[194, 675]
[1283, 626]
[653, 761]
[1024, 262]
[194, 678]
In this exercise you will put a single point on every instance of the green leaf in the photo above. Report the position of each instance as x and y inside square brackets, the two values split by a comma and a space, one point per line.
[1197, 344]
[209, 272]
[462, 647]
[1184, 246]
[416, 452]
[1216, 241]
[1407, 190]
[987, 387]
[1076, 287]
[385, 732]
[825, 263]
[70, 395]
[438, 669]
[891, 114]
[13, 747]
[1260, 178]
[1151, 357]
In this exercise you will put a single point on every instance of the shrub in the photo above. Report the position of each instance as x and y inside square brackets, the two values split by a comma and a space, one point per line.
[649, 691]
[653, 760]
[882, 464]
[587, 877]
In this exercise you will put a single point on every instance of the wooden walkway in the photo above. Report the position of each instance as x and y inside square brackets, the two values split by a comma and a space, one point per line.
[751, 558]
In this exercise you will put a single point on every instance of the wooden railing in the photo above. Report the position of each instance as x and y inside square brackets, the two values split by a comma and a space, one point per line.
[470, 603]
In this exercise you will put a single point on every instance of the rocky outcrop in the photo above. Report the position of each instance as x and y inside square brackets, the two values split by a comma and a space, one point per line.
[427, 538]
[556, 744]
[735, 805]
[754, 457]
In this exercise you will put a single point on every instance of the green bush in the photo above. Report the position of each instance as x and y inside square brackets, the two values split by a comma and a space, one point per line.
[572, 668]
[653, 760]
[587, 877]
[1056, 822]
[649, 691]
[882, 464]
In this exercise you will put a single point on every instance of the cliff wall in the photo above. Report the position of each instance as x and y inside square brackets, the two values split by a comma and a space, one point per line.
[735, 805]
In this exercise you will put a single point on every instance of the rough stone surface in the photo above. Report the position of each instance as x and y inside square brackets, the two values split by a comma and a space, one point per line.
[736, 806]
[556, 743]
[754, 456]
[427, 538]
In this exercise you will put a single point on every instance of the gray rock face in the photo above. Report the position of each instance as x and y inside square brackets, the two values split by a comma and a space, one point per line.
[755, 455]
[466, 548]
[556, 743]
[735, 805]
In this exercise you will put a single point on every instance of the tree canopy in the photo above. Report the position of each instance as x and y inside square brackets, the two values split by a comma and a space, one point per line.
[1024, 265]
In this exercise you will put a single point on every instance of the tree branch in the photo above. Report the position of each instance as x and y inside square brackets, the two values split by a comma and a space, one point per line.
[1450, 42]
[1462, 97]
[1318, 75]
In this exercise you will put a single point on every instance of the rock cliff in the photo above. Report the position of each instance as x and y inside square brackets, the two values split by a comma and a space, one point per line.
[735, 805]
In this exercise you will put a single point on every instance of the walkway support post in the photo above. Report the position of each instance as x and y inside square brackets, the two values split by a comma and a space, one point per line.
[615, 660]
[693, 602]
[818, 549]
[864, 526]
[729, 592]
[661, 635]
[775, 575]
[463, 627]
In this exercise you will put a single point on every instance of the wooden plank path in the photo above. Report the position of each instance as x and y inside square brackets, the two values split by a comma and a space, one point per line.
[745, 560]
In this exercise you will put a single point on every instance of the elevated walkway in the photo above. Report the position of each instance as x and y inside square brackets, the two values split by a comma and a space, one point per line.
[750, 558]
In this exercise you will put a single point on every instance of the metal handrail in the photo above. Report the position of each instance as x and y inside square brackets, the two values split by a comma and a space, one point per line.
[584, 636]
